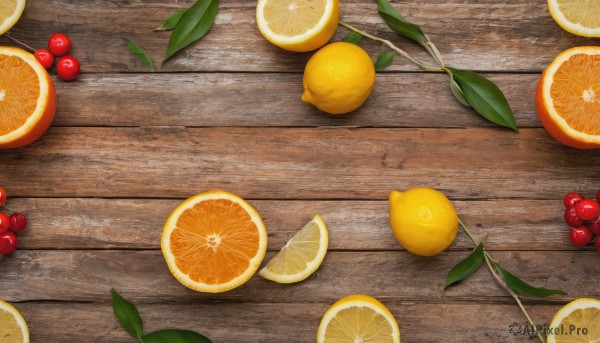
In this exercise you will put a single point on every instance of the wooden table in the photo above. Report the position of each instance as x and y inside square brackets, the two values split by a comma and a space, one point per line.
[128, 145]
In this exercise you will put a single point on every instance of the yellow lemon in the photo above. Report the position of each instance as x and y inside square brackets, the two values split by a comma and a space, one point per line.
[338, 78]
[423, 220]
[298, 25]
[581, 18]
[10, 12]
[577, 322]
[13, 328]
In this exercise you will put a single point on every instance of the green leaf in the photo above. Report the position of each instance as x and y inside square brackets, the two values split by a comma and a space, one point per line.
[384, 60]
[485, 97]
[523, 288]
[128, 315]
[458, 93]
[174, 336]
[466, 267]
[399, 24]
[144, 59]
[193, 25]
[172, 20]
[353, 37]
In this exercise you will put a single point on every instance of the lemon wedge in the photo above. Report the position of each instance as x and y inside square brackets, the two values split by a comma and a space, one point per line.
[581, 18]
[578, 321]
[13, 328]
[10, 12]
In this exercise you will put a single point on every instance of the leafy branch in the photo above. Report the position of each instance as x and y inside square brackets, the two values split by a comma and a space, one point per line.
[471, 89]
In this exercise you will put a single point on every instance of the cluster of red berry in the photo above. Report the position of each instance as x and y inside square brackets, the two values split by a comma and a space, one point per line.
[583, 216]
[9, 225]
[59, 45]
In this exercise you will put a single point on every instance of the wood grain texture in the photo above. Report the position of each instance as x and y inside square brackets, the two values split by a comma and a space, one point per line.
[297, 163]
[225, 99]
[353, 225]
[86, 276]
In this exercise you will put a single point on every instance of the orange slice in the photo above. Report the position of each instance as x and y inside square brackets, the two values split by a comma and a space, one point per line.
[214, 242]
[568, 97]
[27, 98]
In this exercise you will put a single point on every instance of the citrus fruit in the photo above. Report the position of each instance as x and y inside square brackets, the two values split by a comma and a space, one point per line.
[301, 256]
[10, 12]
[358, 318]
[298, 25]
[338, 78]
[577, 321]
[423, 220]
[27, 98]
[13, 328]
[578, 17]
[214, 242]
[568, 98]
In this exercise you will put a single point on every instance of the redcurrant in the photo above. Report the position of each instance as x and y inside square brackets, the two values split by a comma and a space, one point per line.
[572, 199]
[45, 58]
[59, 44]
[580, 236]
[571, 217]
[67, 68]
[4, 222]
[594, 226]
[18, 222]
[2, 196]
[587, 209]
[8, 242]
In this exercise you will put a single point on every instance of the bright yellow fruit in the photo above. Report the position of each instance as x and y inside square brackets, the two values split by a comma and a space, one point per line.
[298, 25]
[10, 12]
[338, 78]
[581, 18]
[358, 318]
[423, 220]
[13, 328]
[577, 322]
[301, 256]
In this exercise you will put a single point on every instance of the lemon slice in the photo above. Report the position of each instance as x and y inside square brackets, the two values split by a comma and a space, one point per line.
[13, 328]
[301, 256]
[578, 321]
[298, 25]
[10, 12]
[358, 318]
[578, 17]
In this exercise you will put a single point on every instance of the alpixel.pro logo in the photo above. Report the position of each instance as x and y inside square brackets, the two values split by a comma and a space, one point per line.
[530, 330]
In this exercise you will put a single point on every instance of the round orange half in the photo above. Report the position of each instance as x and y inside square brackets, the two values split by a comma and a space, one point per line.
[568, 97]
[214, 241]
[27, 98]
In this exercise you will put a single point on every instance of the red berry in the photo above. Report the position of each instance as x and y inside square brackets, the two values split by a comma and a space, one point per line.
[4, 222]
[8, 242]
[587, 209]
[595, 226]
[572, 199]
[45, 58]
[2, 196]
[18, 222]
[67, 68]
[580, 236]
[571, 217]
[59, 44]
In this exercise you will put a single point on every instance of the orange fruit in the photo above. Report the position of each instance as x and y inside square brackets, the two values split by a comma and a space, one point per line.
[27, 98]
[214, 242]
[568, 98]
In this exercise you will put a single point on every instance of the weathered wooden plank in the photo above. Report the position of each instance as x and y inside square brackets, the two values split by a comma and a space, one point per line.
[297, 322]
[353, 225]
[225, 99]
[297, 163]
[84, 275]
[483, 35]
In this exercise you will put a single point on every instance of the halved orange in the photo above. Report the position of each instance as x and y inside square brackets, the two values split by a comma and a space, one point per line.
[214, 242]
[27, 98]
[568, 97]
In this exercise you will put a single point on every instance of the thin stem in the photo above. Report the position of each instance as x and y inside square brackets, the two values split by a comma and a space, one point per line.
[18, 42]
[393, 47]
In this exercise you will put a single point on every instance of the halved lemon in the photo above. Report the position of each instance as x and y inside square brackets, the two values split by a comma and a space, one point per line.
[577, 322]
[358, 318]
[578, 17]
[10, 12]
[214, 241]
[13, 328]
[298, 25]
[301, 256]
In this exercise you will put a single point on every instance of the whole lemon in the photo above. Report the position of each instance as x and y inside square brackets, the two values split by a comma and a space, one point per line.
[423, 220]
[338, 78]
